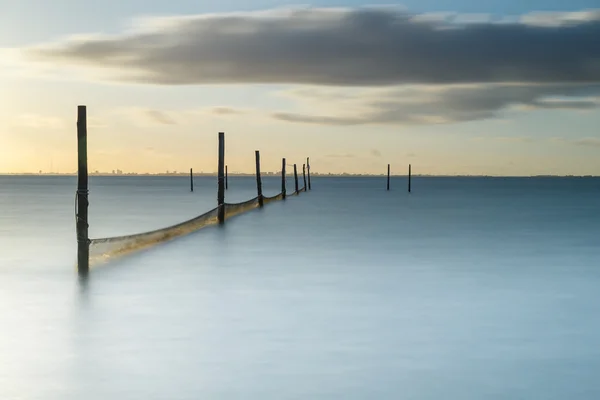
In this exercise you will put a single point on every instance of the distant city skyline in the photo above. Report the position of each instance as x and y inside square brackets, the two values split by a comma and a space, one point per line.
[277, 174]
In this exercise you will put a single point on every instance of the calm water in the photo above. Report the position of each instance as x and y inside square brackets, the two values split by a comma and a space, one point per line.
[468, 288]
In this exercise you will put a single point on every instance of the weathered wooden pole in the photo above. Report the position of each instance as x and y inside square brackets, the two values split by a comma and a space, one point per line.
[308, 171]
[304, 175]
[258, 180]
[296, 177]
[221, 180]
[388, 179]
[191, 180]
[81, 214]
[409, 177]
[226, 178]
[283, 191]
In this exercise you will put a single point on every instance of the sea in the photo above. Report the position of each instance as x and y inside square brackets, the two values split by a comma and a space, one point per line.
[465, 288]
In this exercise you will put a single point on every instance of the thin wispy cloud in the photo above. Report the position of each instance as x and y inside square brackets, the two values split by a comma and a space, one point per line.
[36, 121]
[148, 117]
[340, 156]
[506, 139]
[587, 142]
[225, 111]
[160, 117]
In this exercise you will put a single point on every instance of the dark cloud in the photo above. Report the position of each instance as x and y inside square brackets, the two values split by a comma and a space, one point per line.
[439, 104]
[345, 47]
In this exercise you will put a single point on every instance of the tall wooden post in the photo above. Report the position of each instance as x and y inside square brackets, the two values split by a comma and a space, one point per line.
[191, 180]
[409, 177]
[388, 178]
[221, 179]
[226, 179]
[81, 215]
[296, 177]
[308, 171]
[258, 180]
[304, 175]
[283, 191]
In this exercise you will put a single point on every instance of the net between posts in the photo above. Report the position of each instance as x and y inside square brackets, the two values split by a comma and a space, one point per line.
[234, 209]
[104, 249]
[267, 200]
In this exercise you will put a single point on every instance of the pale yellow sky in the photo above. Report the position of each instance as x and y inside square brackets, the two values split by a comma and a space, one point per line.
[142, 127]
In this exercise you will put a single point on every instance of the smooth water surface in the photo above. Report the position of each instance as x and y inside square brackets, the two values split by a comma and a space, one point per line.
[468, 288]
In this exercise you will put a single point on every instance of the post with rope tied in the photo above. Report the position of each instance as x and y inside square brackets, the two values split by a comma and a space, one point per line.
[388, 178]
[226, 178]
[296, 177]
[283, 192]
[308, 172]
[258, 180]
[221, 180]
[409, 177]
[81, 212]
[191, 180]
[304, 176]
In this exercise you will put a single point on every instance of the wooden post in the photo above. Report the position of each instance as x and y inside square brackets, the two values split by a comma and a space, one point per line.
[388, 180]
[304, 175]
[258, 181]
[226, 178]
[296, 177]
[409, 177]
[221, 179]
[81, 214]
[308, 171]
[191, 180]
[283, 191]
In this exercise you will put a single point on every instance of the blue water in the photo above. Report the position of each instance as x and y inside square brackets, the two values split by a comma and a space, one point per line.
[468, 288]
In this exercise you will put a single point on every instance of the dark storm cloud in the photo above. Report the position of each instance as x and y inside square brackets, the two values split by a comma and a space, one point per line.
[341, 47]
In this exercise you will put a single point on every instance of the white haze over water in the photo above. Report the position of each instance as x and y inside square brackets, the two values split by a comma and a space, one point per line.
[469, 288]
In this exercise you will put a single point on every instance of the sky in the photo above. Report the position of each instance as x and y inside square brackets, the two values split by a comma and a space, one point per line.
[451, 87]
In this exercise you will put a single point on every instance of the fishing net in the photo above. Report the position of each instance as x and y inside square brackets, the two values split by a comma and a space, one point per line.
[108, 248]
[267, 200]
[104, 249]
[232, 210]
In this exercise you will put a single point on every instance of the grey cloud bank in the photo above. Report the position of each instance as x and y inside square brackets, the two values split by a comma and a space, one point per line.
[358, 66]
[341, 47]
[437, 104]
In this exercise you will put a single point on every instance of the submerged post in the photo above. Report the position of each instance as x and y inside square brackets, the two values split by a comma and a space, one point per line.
[388, 179]
[81, 213]
[283, 178]
[258, 180]
[409, 177]
[296, 177]
[221, 179]
[308, 171]
[304, 175]
[191, 180]
[226, 179]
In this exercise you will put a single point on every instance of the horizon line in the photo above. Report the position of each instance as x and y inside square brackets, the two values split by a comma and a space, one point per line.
[277, 174]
